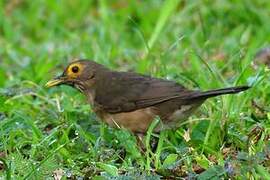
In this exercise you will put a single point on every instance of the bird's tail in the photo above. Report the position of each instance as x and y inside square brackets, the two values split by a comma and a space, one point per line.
[217, 92]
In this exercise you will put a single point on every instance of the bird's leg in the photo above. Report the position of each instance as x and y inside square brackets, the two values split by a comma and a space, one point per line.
[141, 143]
[154, 143]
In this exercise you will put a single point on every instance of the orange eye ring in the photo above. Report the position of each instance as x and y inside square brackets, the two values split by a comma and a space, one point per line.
[74, 70]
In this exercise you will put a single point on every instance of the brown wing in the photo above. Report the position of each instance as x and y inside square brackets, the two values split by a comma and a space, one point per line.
[126, 92]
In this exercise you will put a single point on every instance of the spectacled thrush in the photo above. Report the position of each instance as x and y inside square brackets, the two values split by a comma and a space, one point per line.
[131, 100]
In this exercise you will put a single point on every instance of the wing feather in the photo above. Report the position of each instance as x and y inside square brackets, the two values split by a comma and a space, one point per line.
[131, 91]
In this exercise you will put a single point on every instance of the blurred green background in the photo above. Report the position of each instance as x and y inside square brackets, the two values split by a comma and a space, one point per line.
[201, 44]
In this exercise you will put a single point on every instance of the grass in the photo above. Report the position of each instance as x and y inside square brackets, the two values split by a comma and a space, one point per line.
[46, 133]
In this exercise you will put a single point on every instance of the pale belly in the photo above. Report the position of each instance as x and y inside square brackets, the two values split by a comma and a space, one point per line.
[138, 121]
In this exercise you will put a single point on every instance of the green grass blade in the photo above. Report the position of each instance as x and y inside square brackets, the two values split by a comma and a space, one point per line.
[168, 8]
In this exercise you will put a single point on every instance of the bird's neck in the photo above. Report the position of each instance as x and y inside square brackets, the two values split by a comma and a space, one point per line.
[90, 94]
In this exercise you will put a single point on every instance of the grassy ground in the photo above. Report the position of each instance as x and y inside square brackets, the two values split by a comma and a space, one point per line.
[52, 133]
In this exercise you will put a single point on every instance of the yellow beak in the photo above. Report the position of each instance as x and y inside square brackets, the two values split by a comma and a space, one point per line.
[54, 82]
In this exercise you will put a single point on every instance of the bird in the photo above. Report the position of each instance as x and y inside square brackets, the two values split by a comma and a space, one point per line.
[133, 101]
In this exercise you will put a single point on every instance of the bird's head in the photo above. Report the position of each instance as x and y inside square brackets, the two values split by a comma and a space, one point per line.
[79, 74]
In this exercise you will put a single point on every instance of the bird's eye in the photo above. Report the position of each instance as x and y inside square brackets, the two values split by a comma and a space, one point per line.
[75, 69]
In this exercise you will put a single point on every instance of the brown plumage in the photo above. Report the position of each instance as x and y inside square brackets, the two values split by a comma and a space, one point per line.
[131, 100]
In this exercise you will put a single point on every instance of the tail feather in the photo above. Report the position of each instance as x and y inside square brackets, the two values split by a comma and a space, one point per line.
[217, 92]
